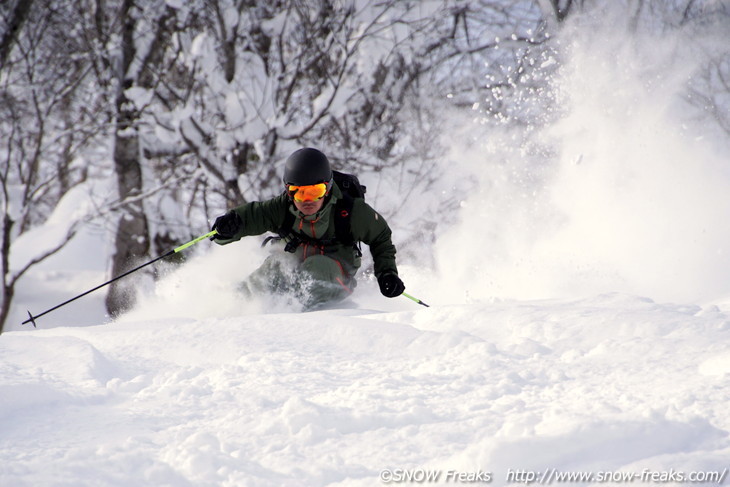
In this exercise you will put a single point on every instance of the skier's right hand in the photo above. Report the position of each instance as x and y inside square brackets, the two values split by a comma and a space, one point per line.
[227, 225]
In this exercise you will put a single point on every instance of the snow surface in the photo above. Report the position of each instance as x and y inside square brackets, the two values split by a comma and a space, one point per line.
[333, 397]
[580, 323]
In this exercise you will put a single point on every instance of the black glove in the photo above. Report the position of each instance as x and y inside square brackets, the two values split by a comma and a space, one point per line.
[391, 285]
[227, 225]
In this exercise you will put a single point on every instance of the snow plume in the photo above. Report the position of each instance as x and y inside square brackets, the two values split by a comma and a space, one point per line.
[629, 191]
[205, 287]
[208, 286]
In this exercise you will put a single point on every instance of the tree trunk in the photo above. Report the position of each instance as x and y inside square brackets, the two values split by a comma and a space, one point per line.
[132, 236]
[7, 284]
[132, 240]
[14, 23]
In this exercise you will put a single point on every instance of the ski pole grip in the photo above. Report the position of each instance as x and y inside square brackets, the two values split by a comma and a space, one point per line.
[193, 242]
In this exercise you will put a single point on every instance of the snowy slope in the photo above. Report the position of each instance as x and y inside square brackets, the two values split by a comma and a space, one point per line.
[611, 383]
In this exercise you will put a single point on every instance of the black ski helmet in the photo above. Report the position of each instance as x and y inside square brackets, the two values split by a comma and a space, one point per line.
[307, 166]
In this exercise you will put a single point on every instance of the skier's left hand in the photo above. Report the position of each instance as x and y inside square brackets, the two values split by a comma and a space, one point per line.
[391, 285]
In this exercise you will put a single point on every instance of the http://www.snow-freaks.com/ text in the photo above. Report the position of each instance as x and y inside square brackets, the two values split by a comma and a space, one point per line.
[550, 476]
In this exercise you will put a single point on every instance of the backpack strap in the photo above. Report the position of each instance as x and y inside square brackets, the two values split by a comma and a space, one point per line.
[287, 225]
[343, 223]
[343, 210]
[287, 230]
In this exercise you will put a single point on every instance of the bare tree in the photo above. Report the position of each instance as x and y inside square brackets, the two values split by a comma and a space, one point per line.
[42, 130]
[321, 73]
[143, 34]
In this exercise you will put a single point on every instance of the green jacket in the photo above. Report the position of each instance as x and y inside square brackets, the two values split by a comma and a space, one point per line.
[367, 226]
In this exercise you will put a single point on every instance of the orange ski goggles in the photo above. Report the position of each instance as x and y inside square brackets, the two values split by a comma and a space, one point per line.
[312, 192]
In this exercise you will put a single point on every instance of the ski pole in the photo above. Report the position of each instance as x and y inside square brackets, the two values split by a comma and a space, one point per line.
[32, 318]
[415, 299]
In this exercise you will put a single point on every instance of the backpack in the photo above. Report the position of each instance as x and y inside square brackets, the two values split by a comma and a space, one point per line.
[349, 184]
[351, 188]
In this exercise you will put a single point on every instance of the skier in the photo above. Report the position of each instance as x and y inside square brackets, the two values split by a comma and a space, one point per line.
[319, 227]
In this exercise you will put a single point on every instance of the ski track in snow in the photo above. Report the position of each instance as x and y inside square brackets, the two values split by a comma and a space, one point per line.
[332, 397]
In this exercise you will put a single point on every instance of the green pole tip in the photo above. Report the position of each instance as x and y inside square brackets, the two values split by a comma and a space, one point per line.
[416, 300]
